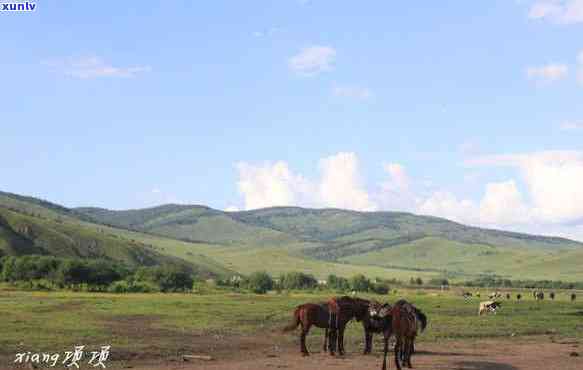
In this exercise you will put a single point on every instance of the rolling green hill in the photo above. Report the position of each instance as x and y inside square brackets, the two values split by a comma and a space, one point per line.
[322, 240]
[281, 239]
[32, 226]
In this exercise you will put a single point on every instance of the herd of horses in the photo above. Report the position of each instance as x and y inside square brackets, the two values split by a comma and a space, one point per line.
[402, 320]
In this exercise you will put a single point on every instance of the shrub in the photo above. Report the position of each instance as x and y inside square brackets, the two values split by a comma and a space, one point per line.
[168, 278]
[338, 283]
[260, 282]
[360, 283]
[297, 280]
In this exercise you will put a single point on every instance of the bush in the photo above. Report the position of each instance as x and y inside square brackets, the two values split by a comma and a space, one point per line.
[124, 286]
[168, 278]
[297, 280]
[260, 282]
[381, 289]
[338, 283]
[360, 283]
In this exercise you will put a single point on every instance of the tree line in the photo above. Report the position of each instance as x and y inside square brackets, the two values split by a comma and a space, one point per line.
[49, 273]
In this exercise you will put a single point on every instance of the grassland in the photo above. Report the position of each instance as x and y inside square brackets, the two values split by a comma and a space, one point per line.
[162, 325]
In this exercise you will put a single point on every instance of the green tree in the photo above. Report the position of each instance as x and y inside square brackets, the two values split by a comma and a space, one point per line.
[260, 282]
[360, 283]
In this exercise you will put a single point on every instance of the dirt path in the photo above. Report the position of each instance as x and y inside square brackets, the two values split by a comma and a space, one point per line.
[504, 354]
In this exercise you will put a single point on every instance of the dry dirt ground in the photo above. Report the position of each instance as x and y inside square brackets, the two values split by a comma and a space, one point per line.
[258, 353]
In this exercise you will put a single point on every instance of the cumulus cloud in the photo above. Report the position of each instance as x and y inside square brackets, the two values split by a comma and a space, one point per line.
[313, 60]
[545, 194]
[93, 67]
[341, 185]
[553, 179]
[353, 92]
[503, 204]
[557, 11]
[572, 125]
[446, 204]
[580, 68]
[548, 73]
[269, 185]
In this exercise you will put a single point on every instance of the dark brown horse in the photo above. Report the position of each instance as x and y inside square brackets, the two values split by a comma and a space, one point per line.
[308, 315]
[342, 310]
[402, 320]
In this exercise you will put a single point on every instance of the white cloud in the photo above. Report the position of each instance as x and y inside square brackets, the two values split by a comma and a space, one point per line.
[557, 11]
[548, 73]
[341, 185]
[550, 196]
[399, 180]
[313, 60]
[553, 179]
[93, 67]
[397, 191]
[270, 185]
[572, 125]
[503, 204]
[446, 204]
[353, 92]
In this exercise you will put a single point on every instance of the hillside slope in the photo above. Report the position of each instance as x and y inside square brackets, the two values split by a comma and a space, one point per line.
[32, 226]
[281, 239]
[401, 244]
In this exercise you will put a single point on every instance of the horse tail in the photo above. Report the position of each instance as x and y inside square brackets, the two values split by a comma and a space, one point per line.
[421, 317]
[295, 320]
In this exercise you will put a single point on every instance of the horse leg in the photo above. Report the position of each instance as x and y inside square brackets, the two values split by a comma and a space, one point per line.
[325, 340]
[398, 351]
[341, 340]
[409, 353]
[332, 333]
[305, 331]
[367, 342]
[332, 341]
[385, 351]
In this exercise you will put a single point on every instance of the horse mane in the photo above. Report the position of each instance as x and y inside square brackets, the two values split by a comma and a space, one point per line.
[418, 313]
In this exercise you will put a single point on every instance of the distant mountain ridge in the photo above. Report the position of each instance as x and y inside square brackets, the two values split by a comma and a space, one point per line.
[318, 225]
[280, 239]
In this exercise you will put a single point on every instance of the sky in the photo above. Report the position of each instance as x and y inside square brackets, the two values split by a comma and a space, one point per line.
[467, 110]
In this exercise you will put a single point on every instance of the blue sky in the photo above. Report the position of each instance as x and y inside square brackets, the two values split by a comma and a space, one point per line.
[467, 110]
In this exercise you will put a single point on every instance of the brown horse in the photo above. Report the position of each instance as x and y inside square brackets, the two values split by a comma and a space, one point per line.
[404, 321]
[309, 314]
[342, 310]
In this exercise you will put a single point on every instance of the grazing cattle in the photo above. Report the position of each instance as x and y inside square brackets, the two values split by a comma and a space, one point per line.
[552, 295]
[573, 297]
[488, 306]
[404, 321]
[518, 297]
[507, 296]
[539, 296]
[495, 295]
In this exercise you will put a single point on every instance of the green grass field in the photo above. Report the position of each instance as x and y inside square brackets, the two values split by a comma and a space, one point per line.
[164, 325]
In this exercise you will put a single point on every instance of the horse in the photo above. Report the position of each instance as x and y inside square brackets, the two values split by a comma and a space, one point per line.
[404, 321]
[309, 314]
[341, 311]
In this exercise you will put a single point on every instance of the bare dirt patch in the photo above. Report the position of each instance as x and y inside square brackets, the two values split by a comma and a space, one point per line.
[266, 353]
